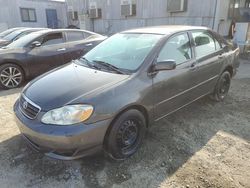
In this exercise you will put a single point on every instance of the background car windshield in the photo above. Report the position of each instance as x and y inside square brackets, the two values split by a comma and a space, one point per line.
[7, 32]
[23, 41]
[12, 35]
[125, 51]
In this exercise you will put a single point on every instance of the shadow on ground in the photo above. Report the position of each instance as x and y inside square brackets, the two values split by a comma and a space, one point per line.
[4, 93]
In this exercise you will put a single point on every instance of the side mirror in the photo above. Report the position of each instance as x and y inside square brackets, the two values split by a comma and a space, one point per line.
[35, 44]
[165, 65]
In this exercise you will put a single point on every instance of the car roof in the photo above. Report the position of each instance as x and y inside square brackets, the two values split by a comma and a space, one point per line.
[31, 29]
[165, 29]
[63, 30]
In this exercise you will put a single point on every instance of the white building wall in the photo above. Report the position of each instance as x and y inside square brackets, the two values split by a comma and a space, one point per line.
[10, 12]
[154, 12]
[222, 23]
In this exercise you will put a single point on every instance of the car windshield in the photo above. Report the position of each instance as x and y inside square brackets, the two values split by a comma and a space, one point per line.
[12, 35]
[125, 51]
[7, 32]
[23, 41]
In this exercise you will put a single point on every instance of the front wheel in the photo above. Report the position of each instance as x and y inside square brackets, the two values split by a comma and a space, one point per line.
[126, 135]
[222, 87]
[11, 76]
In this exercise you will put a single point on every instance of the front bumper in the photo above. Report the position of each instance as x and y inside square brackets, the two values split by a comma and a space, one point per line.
[62, 142]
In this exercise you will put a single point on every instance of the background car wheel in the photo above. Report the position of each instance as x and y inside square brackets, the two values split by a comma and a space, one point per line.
[126, 135]
[11, 76]
[222, 87]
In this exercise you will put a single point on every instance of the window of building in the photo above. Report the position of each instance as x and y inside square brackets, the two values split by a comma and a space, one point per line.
[28, 14]
[73, 15]
[204, 44]
[75, 36]
[51, 39]
[177, 48]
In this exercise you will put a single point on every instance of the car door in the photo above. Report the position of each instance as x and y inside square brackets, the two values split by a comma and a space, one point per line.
[209, 58]
[76, 45]
[49, 55]
[172, 87]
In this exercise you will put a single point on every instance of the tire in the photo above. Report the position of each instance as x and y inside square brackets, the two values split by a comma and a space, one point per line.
[11, 76]
[126, 135]
[222, 87]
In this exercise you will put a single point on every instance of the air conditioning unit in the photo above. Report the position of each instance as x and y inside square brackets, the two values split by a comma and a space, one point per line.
[128, 7]
[177, 5]
[94, 12]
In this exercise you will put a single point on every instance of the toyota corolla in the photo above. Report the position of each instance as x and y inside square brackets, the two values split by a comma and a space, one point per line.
[109, 97]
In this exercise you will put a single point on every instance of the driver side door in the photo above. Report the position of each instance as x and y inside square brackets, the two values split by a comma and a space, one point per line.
[172, 88]
[49, 55]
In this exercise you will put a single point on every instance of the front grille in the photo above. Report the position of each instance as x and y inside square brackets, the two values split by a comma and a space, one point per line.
[28, 108]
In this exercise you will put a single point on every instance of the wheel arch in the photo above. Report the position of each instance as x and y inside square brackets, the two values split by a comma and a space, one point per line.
[229, 68]
[17, 64]
[138, 107]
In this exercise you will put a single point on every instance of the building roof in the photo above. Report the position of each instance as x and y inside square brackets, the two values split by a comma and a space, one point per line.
[164, 29]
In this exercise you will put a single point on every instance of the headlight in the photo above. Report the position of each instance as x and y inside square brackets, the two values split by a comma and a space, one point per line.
[68, 115]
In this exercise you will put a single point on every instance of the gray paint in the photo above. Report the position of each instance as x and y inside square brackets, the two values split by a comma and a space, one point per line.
[10, 12]
[157, 93]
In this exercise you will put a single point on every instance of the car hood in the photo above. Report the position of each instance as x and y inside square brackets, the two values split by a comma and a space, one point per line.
[71, 82]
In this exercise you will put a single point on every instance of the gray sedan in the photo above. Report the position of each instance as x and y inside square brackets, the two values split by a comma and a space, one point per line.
[109, 97]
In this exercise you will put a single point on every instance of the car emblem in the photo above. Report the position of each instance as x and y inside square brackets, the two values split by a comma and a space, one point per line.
[25, 105]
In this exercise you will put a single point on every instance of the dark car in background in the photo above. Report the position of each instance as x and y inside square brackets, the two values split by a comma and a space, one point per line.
[16, 34]
[8, 31]
[109, 97]
[39, 52]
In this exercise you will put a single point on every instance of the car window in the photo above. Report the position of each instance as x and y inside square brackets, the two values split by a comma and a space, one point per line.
[74, 36]
[204, 44]
[4, 33]
[12, 35]
[53, 38]
[217, 45]
[90, 35]
[177, 48]
[124, 50]
[22, 34]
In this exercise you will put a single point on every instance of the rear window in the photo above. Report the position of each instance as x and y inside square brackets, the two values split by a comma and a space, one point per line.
[74, 36]
[204, 44]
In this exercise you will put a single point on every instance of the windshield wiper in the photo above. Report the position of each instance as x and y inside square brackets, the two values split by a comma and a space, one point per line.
[111, 67]
[89, 63]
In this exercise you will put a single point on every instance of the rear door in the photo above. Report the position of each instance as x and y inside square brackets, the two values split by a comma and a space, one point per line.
[209, 61]
[77, 46]
[49, 55]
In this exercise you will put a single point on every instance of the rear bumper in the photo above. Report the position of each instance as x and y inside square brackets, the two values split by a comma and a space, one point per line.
[62, 142]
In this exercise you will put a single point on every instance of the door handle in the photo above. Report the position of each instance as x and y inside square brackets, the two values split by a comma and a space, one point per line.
[89, 44]
[193, 66]
[221, 56]
[61, 49]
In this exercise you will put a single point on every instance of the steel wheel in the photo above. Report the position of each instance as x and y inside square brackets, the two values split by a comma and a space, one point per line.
[222, 87]
[11, 76]
[127, 135]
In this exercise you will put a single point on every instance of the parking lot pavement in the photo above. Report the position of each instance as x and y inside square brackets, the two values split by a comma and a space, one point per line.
[206, 144]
